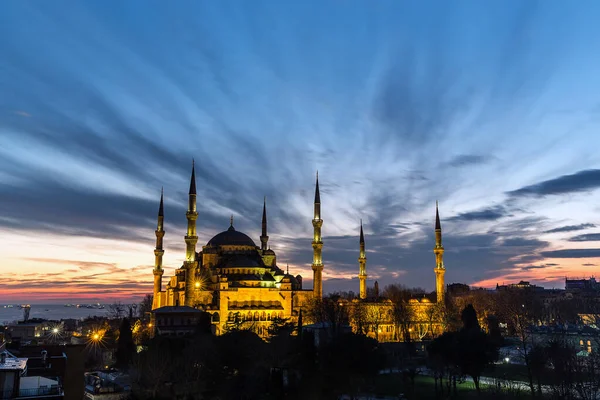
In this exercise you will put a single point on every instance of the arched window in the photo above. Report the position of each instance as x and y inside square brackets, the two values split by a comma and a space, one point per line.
[263, 316]
[268, 316]
[215, 317]
[230, 316]
[256, 317]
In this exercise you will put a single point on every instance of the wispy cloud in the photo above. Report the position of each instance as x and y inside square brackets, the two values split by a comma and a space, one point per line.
[571, 228]
[588, 237]
[572, 253]
[22, 113]
[401, 117]
[581, 181]
[485, 214]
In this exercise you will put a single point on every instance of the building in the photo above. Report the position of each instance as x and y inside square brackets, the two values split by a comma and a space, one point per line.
[236, 281]
[102, 385]
[582, 285]
[176, 320]
[522, 285]
[15, 382]
[382, 319]
[27, 332]
[231, 277]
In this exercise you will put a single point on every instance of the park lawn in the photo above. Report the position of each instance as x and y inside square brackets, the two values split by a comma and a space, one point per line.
[517, 372]
[393, 384]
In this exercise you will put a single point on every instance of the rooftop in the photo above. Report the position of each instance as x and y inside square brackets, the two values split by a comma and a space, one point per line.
[8, 362]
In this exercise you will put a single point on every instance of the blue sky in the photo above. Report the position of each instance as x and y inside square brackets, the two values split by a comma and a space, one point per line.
[492, 108]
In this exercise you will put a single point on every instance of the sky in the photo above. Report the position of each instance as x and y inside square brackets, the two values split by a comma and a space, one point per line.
[492, 108]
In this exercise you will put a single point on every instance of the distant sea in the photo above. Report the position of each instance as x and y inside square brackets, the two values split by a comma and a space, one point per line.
[48, 311]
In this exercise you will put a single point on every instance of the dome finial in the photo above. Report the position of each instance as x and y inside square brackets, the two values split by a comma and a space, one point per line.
[231, 221]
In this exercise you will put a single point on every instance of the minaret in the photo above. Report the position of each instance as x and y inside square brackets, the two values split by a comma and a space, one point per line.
[158, 251]
[264, 239]
[317, 245]
[362, 263]
[438, 250]
[190, 241]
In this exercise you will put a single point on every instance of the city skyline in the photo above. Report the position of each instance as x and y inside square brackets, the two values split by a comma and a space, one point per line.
[490, 109]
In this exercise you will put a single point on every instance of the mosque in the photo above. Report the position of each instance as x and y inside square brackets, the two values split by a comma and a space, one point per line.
[238, 282]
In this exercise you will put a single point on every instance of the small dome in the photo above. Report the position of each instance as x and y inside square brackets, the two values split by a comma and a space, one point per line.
[231, 237]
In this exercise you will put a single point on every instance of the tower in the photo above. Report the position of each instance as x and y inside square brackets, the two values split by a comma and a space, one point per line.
[264, 239]
[317, 244]
[190, 241]
[158, 250]
[438, 250]
[362, 263]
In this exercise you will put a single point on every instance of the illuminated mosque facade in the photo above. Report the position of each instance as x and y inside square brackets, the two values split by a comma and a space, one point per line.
[236, 281]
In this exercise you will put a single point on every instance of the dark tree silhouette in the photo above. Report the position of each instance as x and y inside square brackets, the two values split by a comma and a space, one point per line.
[349, 363]
[470, 350]
[469, 318]
[538, 358]
[281, 326]
[145, 307]
[125, 345]
[476, 350]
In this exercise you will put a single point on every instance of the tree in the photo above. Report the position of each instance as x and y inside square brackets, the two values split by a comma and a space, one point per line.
[493, 328]
[145, 306]
[436, 316]
[153, 367]
[349, 364]
[562, 356]
[236, 323]
[358, 318]
[518, 310]
[442, 355]
[375, 315]
[470, 349]
[538, 358]
[116, 310]
[469, 319]
[281, 326]
[125, 345]
[402, 313]
[475, 352]
[331, 312]
[243, 353]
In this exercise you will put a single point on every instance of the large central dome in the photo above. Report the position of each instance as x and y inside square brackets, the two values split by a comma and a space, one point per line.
[231, 237]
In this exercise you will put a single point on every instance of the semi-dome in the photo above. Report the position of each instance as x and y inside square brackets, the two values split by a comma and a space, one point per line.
[231, 237]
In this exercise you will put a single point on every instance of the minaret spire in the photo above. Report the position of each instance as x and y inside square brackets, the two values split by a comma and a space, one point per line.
[317, 245]
[264, 238]
[191, 239]
[437, 217]
[362, 265]
[193, 180]
[161, 211]
[438, 250]
[158, 253]
[317, 194]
